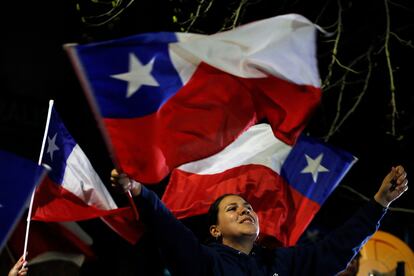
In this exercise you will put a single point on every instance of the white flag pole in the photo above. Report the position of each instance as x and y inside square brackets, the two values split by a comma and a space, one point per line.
[29, 214]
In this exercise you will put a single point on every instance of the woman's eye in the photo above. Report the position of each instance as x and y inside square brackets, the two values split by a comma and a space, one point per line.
[231, 208]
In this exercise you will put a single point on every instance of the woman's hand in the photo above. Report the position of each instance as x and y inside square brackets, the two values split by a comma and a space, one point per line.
[19, 268]
[123, 182]
[393, 186]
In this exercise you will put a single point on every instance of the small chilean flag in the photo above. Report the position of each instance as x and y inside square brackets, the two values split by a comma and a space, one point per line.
[166, 99]
[73, 191]
[286, 185]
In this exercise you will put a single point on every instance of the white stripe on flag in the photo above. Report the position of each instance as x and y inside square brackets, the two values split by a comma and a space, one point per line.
[257, 146]
[82, 180]
[282, 46]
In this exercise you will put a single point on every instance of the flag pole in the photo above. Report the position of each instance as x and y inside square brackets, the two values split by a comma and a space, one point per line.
[73, 57]
[39, 162]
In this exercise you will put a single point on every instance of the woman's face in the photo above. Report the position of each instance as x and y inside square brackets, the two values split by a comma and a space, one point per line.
[236, 219]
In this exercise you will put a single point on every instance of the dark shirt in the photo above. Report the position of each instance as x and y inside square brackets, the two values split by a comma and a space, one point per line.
[186, 256]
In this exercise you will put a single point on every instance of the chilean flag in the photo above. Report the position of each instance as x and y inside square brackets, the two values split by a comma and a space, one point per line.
[285, 184]
[73, 191]
[166, 99]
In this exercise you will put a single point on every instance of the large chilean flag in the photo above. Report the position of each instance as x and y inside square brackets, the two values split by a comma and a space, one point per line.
[170, 98]
[286, 185]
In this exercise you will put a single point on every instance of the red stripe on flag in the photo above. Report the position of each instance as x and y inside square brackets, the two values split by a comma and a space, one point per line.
[286, 217]
[126, 225]
[283, 212]
[58, 204]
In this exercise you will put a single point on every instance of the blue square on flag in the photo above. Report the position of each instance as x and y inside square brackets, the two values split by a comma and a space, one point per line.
[140, 66]
[314, 168]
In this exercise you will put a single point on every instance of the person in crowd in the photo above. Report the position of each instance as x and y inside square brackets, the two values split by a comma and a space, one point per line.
[234, 226]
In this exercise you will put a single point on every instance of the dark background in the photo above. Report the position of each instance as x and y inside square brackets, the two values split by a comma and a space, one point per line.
[34, 68]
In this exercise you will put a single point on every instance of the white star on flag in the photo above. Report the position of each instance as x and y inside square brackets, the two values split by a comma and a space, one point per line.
[314, 166]
[51, 146]
[138, 75]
